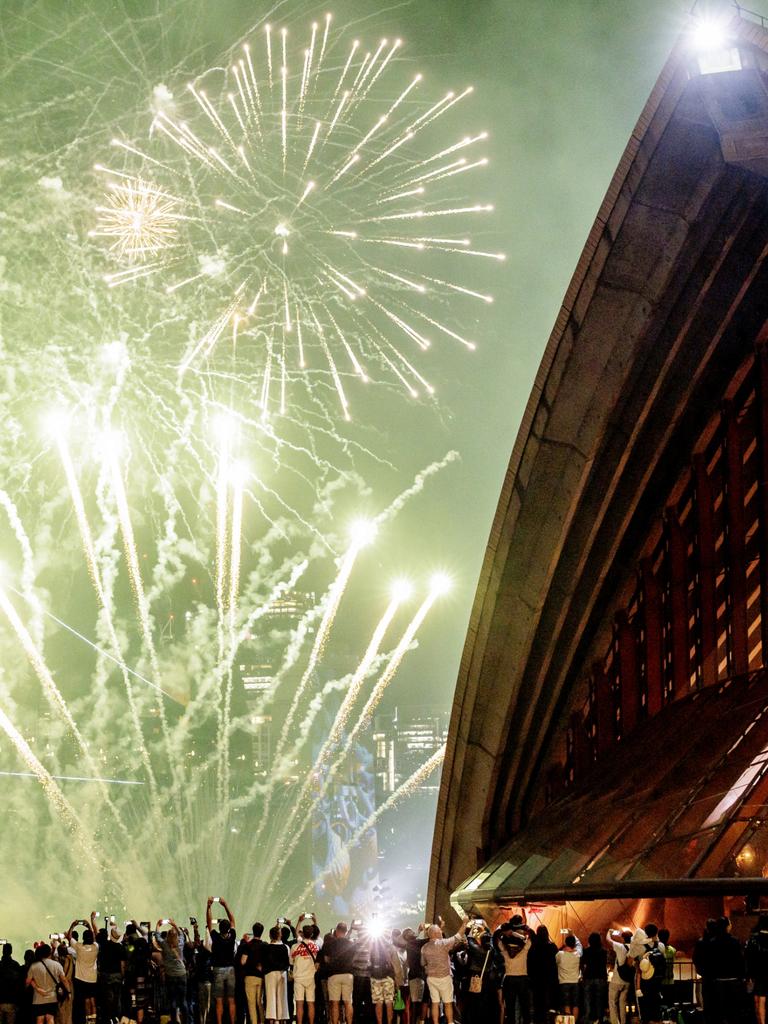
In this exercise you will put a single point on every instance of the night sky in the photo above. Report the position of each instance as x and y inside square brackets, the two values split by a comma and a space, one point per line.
[558, 85]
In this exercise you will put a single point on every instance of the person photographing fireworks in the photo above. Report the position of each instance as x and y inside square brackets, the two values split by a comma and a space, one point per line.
[221, 942]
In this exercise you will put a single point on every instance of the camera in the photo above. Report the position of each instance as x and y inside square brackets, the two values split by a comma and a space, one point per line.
[193, 921]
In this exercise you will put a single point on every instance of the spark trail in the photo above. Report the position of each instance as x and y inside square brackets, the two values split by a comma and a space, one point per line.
[350, 697]
[86, 536]
[53, 792]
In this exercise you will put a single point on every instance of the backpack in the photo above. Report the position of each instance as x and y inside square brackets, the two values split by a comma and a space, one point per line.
[626, 971]
[658, 962]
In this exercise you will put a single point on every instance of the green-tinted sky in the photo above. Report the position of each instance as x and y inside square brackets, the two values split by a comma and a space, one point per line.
[559, 85]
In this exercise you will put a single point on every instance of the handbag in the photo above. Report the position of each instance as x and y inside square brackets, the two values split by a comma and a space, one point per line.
[476, 981]
[62, 992]
[399, 1004]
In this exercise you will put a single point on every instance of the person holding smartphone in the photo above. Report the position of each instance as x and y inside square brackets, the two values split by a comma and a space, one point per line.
[222, 943]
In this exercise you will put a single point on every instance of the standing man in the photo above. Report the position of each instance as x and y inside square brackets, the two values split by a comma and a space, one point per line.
[111, 967]
[251, 960]
[86, 957]
[10, 985]
[304, 959]
[221, 944]
[417, 1007]
[622, 977]
[338, 957]
[436, 960]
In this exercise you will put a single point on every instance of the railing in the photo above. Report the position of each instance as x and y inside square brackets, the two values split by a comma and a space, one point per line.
[743, 12]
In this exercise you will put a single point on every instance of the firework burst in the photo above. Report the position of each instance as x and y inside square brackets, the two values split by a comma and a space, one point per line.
[139, 219]
[311, 210]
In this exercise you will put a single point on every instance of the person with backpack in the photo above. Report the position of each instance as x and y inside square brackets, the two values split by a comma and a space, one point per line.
[652, 964]
[623, 975]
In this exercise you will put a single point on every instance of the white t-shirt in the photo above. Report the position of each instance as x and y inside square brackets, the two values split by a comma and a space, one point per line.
[568, 966]
[43, 980]
[303, 964]
[85, 962]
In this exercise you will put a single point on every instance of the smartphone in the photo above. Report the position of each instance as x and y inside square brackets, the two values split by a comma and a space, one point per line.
[281, 920]
[193, 921]
[97, 915]
[146, 924]
[565, 931]
[166, 920]
[217, 899]
[52, 935]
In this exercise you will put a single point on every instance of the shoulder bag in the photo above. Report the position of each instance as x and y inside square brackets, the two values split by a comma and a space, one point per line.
[476, 981]
[62, 992]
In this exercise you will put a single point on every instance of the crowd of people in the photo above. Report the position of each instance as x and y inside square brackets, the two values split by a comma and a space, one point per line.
[102, 973]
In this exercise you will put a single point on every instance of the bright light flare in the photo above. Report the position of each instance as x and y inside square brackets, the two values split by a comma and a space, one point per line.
[363, 532]
[440, 584]
[708, 34]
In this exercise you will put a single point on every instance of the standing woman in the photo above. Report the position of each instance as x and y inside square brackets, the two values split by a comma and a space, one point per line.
[43, 977]
[481, 1002]
[275, 962]
[67, 961]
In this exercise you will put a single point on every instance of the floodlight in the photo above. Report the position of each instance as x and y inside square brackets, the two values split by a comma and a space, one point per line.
[715, 51]
[376, 928]
[709, 34]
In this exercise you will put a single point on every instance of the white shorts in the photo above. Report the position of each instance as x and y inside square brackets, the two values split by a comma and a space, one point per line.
[441, 989]
[340, 988]
[303, 990]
